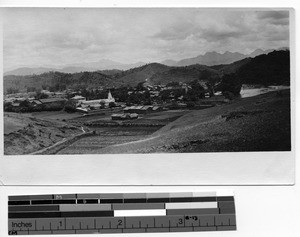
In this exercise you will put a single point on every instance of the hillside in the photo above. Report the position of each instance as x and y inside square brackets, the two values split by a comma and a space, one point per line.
[231, 68]
[273, 68]
[24, 134]
[270, 69]
[186, 74]
[154, 72]
[260, 123]
[62, 80]
[136, 75]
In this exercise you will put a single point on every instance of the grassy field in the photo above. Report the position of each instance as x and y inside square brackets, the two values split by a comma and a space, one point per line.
[12, 123]
[260, 123]
[107, 136]
[56, 115]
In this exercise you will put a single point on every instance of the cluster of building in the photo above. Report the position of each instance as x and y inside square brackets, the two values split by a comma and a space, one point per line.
[124, 116]
[142, 109]
[83, 105]
[16, 99]
[57, 100]
[133, 112]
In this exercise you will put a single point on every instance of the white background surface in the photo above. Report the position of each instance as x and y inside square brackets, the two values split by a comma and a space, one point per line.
[236, 168]
[262, 211]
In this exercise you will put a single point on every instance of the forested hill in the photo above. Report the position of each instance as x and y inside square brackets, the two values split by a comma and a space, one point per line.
[270, 69]
[153, 73]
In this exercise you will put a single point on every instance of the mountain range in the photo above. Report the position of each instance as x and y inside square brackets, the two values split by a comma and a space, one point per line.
[214, 58]
[270, 69]
[103, 64]
[208, 59]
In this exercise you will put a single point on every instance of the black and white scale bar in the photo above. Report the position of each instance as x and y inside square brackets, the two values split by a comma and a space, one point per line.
[120, 213]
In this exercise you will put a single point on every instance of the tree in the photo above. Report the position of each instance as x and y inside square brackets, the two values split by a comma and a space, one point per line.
[24, 103]
[102, 104]
[7, 106]
[196, 92]
[40, 95]
[173, 84]
[12, 90]
[111, 104]
[231, 83]
[31, 89]
[140, 87]
[70, 106]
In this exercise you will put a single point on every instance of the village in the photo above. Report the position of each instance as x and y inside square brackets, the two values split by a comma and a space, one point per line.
[124, 103]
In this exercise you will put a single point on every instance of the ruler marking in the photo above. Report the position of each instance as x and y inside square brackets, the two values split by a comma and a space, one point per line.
[79, 224]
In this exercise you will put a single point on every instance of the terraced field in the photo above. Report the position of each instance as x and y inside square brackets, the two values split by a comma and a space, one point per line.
[106, 137]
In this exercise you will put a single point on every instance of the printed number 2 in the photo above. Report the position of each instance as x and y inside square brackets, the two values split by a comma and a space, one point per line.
[119, 222]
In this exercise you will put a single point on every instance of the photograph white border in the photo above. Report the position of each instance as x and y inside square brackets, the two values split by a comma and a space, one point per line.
[238, 168]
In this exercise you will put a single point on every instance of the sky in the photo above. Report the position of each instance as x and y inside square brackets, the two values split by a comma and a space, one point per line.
[48, 37]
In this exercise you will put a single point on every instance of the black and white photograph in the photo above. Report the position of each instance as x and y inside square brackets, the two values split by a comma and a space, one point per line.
[146, 80]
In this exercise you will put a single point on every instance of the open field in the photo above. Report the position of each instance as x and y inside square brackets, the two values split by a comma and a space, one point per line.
[107, 136]
[55, 115]
[162, 117]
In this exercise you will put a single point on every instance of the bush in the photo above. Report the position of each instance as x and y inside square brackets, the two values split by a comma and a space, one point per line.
[190, 104]
[70, 106]
[228, 95]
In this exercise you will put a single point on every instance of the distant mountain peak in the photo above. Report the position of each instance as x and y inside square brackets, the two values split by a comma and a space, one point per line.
[214, 58]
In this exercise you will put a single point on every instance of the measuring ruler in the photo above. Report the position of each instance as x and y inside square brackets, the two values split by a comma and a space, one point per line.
[120, 213]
